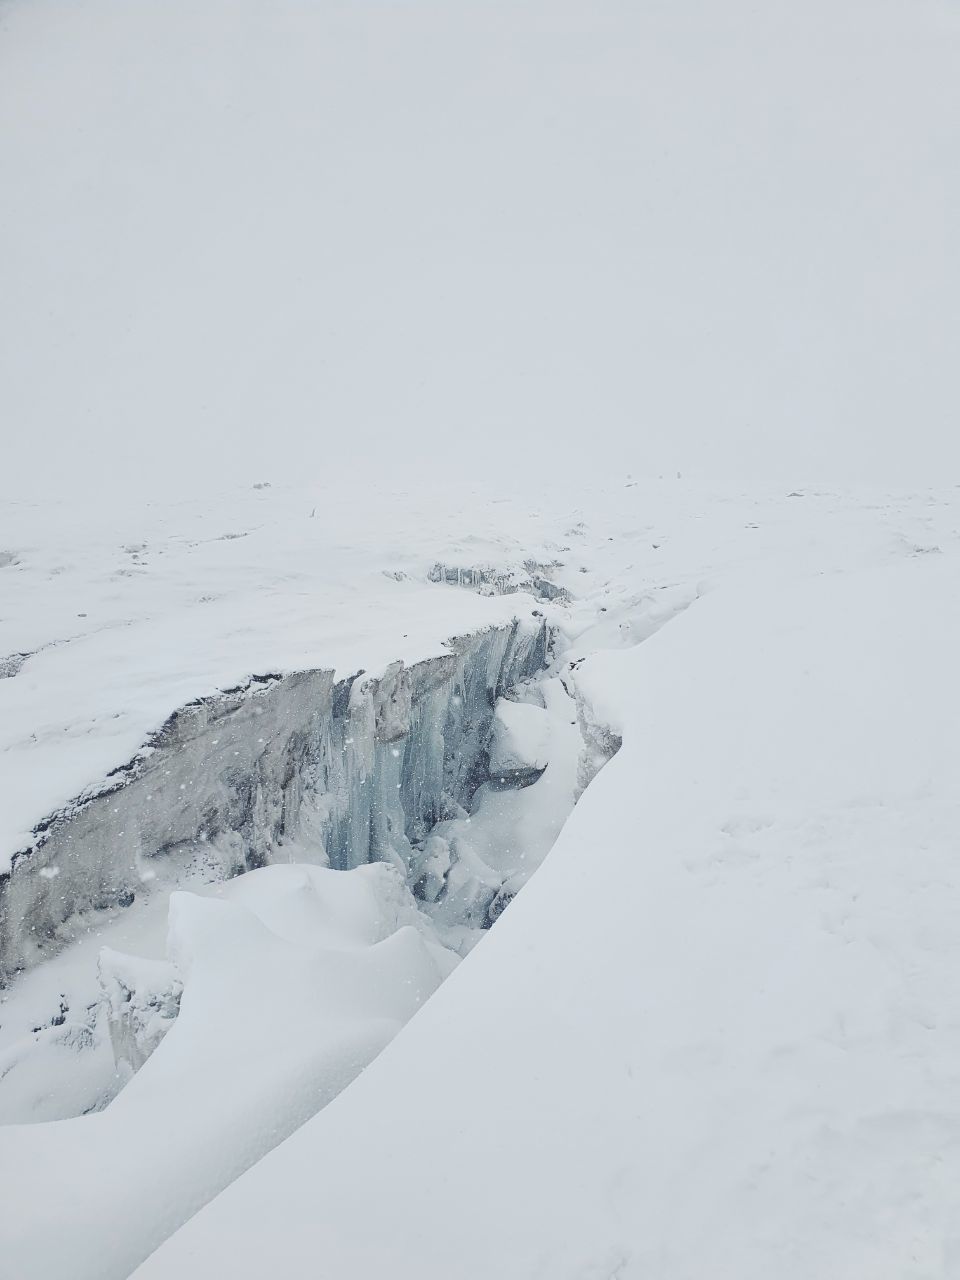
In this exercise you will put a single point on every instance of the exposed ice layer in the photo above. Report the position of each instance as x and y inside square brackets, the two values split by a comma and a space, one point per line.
[540, 756]
[495, 580]
[142, 998]
[600, 742]
[11, 664]
[360, 769]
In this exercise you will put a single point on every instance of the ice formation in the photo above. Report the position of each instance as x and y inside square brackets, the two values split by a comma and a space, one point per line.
[432, 792]
[358, 769]
[531, 577]
[143, 999]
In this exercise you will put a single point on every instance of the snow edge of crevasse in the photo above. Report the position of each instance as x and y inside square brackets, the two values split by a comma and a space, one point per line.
[363, 766]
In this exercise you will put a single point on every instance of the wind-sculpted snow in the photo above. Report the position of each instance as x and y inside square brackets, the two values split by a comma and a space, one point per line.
[274, 989]
[359, 768]
[716, 1038]
[288, 982]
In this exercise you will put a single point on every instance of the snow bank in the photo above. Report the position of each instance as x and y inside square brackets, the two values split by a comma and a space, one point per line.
[288, 980]
[715, 1034]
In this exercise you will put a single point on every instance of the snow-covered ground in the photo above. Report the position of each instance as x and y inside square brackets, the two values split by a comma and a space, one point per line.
[717, 1034]
[711, 1001]
[288, 980]
[339, 335]
[132, 611]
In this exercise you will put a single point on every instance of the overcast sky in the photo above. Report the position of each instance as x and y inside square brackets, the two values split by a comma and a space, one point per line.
[291, 237]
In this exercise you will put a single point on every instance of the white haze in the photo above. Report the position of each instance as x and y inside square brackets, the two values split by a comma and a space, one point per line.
[246, 240]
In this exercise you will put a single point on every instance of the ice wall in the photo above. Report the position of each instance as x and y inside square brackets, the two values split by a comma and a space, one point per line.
[357, 769]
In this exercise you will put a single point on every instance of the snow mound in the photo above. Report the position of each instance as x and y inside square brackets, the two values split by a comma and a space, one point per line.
[521, 737]
[278, 989]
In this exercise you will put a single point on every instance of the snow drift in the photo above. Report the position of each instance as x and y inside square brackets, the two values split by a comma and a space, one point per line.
[288, 981]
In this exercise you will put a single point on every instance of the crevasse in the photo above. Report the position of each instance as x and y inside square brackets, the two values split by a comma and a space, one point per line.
[357, 769]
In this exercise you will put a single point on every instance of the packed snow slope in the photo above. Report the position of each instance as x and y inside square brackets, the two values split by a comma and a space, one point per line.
[717, 1034]
[288, 980]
